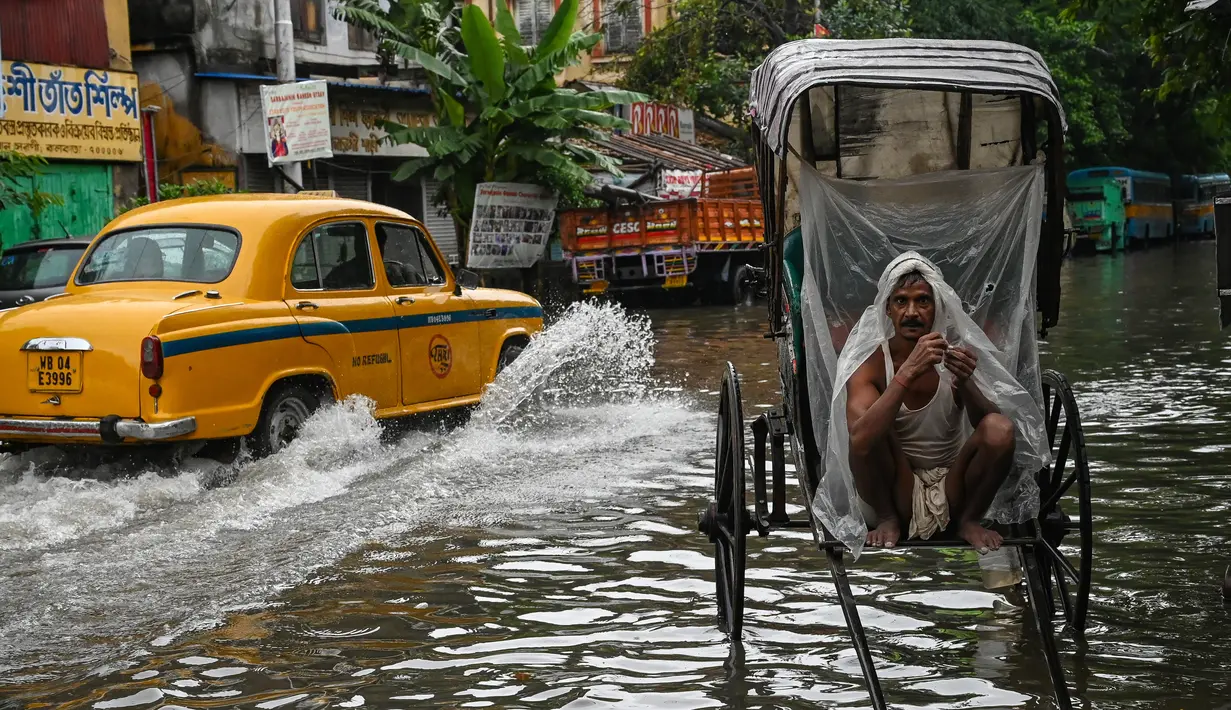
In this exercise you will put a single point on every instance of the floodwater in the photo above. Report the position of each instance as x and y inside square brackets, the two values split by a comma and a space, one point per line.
[544, 555]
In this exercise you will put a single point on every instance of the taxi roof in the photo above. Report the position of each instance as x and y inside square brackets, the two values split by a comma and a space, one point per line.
[269, 225]
[251, 211]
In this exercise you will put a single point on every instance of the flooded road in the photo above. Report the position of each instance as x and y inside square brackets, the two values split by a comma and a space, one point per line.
[544, 555]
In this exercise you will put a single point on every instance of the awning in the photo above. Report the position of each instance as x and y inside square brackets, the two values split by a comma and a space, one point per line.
[640, 153]
[331, 82]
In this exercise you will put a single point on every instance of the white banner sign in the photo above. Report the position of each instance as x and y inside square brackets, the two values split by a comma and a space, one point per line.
[296, 118]
[510, 225]
[679, 184]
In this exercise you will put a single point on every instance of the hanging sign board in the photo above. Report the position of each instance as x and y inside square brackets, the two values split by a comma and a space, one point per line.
[510, 225]
[296, 119]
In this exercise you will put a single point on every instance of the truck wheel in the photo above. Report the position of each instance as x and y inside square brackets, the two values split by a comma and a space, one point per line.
[508, 354]
[741, 284]
[283, 414]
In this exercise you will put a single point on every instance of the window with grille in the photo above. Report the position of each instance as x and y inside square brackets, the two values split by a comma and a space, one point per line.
[308, 19]
[623, 26]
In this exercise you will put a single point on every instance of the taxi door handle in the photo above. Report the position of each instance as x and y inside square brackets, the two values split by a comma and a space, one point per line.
[306, 306]
[404, 300]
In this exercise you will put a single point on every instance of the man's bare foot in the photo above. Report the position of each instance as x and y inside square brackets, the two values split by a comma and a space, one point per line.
[885, 534]
[979, 537]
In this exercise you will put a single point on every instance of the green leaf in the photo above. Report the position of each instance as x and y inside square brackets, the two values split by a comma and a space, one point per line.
[510, 37]
[559, 31]
[411, 168]
[485, 53]
[453, 109]
[428, 62]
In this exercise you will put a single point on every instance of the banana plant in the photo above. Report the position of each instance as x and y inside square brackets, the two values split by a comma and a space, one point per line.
[500, 116]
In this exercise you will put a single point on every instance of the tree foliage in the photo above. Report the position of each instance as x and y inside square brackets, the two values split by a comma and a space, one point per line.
[1136, 91]
[174, 191]
[500, 117]
[18, 185]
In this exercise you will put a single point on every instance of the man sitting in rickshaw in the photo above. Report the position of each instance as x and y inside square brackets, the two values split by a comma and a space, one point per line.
[915, 465]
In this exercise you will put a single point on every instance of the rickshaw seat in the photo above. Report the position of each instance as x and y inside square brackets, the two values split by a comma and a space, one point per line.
[793, 275]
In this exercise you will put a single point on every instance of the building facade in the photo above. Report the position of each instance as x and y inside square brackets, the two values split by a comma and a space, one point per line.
[202, 63]
[69, 96]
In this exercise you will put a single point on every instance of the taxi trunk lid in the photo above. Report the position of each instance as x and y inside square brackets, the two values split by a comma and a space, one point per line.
[86, 349]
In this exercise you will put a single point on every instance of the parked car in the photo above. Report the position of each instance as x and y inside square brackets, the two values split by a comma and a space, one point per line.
[221, 317]
[34, 270]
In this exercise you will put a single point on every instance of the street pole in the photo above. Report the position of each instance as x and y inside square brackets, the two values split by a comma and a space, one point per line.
[284, 41]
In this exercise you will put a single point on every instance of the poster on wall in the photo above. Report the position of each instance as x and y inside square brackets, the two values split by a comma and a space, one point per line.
[510, 225]
[296, 120]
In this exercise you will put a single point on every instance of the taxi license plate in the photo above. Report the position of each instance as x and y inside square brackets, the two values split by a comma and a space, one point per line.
[596, 287]
[678, 281]
[54, 372]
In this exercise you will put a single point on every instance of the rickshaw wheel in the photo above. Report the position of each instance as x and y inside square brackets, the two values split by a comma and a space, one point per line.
[728, 522]
[1068, 566]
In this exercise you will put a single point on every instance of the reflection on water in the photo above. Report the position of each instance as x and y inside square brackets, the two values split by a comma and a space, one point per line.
[545, 555]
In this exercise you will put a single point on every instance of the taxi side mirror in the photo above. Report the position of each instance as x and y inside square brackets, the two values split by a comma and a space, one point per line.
[467, 279]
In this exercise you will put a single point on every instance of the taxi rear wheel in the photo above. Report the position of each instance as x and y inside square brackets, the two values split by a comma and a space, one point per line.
[286, 409]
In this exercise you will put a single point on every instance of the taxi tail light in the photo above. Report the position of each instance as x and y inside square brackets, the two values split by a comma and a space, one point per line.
[151, 357]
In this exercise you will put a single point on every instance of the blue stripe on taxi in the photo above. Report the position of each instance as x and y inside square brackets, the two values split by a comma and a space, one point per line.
[367, 325]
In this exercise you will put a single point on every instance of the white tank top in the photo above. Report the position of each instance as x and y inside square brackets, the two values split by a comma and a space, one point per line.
[931, 436]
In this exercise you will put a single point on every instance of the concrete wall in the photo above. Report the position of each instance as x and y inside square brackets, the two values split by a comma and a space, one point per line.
[197, 123]
[240, 33]
[116, 12]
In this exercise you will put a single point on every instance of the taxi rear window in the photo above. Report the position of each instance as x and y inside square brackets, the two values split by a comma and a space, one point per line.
[190, 254]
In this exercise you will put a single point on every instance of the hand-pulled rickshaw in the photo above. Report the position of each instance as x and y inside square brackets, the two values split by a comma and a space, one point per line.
[866, 150]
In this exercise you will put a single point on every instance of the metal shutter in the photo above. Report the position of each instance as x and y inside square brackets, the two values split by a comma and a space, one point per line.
[349, 182]
[439, 223]
[258, 176]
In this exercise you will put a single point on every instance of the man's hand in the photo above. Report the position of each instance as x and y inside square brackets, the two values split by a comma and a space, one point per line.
[929, 351]
[962, 363]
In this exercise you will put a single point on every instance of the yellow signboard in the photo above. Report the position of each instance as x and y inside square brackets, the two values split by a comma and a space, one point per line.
[68, 113]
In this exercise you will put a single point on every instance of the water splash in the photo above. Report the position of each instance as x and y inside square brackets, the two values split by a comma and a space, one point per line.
[594, 354]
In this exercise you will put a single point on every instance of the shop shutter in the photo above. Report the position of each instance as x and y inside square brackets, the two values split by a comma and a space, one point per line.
[258, 176]
[439, 223]
[349, 182]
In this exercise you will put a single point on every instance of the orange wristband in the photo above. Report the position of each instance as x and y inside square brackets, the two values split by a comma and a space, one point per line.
[904, 385]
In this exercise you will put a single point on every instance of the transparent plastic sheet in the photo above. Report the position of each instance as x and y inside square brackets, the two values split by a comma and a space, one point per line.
[980, 229]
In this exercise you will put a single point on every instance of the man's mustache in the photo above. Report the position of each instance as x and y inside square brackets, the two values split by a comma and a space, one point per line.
[913, 323]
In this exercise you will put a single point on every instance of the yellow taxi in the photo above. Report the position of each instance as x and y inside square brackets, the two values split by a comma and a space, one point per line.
[235, 316]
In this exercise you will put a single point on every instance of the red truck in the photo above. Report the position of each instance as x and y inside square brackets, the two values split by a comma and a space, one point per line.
[710, 244]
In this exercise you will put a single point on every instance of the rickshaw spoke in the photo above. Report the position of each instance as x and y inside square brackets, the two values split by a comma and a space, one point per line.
[1062, 562]
[1053, 420]
[1062, 457]
[1062, 586]
[1058, 492]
